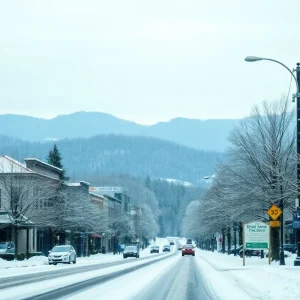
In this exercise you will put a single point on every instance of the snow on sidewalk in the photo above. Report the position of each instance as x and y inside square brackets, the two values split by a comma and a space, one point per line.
[40, 263]
[229, 279]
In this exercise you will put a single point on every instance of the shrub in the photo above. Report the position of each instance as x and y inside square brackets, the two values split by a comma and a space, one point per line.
[31, 254]
[7, 256]
[21, 256]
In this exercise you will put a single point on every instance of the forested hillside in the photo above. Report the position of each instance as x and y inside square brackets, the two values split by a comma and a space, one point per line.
[167, 201]
[209, 135]
[138, 156]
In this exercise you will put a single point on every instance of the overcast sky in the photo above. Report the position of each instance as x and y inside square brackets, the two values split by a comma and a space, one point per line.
[145, 60]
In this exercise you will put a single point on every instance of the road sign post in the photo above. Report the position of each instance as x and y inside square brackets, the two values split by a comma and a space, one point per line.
[274, 212]
[274, 224]
[256, 236]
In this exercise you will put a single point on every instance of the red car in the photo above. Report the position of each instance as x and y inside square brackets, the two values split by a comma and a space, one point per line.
[188, 250]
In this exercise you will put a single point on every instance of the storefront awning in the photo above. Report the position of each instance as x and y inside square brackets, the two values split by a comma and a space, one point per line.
[96, 235]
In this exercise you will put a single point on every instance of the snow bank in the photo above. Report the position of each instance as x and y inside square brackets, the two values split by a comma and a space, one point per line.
[33, 261]
[256, 280]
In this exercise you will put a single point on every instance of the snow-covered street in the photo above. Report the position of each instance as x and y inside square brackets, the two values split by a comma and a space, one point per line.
[208, 275]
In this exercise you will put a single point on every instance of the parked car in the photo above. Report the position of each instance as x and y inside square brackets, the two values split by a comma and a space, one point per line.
[154, 249]
[7, 247]
[290, 248]
[249, 252]
[62, 254]
[188, 249]
[166, 248]
[238, 249]
[131, 251]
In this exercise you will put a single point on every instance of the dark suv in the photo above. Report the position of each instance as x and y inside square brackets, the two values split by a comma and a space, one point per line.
[249, 252]
[154, 249]
[131, 251]
[290, 247]
[166, 248]
[189, 241]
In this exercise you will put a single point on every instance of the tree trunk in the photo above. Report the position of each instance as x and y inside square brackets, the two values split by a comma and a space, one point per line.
[274, 243]
[240, 233]
[223, 240]
[228, 240]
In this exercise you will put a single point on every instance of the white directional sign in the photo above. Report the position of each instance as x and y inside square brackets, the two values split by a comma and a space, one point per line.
[256, 235]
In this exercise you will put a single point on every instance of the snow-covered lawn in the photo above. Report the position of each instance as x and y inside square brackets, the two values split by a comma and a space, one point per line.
[229, 279]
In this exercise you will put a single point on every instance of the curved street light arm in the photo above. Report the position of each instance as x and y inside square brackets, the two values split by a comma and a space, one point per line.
[298, 89]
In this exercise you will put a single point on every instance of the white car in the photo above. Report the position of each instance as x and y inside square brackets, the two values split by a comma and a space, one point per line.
[62, 254]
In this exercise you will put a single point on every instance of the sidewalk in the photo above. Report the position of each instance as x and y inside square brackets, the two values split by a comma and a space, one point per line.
[40, 263]
[229, 279]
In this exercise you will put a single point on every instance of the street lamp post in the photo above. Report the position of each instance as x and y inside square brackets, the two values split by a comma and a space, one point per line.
[297, 260]
[297, 95]
[281, 253]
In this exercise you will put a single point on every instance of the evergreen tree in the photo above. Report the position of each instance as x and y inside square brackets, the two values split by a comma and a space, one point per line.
[54, 158]
[148, 183]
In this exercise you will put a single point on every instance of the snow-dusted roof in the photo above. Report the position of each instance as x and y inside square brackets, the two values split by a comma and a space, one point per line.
[42, 163]
[6, 218]
[97, 195]
[10, 165]
[77, 183]
[176, 181]
[72, 183]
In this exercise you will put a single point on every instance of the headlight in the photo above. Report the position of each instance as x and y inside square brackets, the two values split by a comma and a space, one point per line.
[66, 254]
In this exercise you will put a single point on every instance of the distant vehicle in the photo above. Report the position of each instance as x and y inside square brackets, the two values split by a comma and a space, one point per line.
[166, 248]
[238, 249]
[249, 252]
[188, 249]
[62, 254]
[290, 248]
[7, 247]
[154, 249]
[131, 251]
[189, 241]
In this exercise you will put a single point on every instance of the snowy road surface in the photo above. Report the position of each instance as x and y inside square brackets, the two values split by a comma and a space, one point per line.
[165, 276]
[183, 281]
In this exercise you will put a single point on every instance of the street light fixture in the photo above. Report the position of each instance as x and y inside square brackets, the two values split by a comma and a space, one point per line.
[297, 95]
[256, 58]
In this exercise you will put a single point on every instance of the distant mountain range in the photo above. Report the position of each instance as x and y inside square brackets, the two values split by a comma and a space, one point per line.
[210, 135]
[88, 158]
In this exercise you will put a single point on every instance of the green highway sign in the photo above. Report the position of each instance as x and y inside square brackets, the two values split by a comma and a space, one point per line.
[256, 235]
[257, 245]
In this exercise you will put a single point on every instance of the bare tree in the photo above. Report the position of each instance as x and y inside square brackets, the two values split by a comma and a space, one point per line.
[259, 170]
[23, 193]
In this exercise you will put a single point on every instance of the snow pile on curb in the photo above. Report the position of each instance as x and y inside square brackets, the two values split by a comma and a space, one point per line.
[33, 261]
[229, 279]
